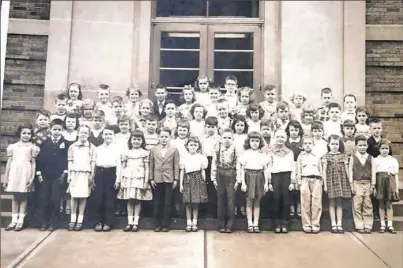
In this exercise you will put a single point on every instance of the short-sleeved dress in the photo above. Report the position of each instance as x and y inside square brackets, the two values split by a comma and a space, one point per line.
[194, 187]
[82, 156]
[386, 168]
[20, 172]
[337, 182]
[133, 183]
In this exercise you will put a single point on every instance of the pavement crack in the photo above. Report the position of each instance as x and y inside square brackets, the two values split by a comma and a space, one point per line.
[373, 252]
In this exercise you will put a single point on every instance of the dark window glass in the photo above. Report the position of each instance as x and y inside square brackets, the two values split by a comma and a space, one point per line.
[169, 8]
[234, 8]
[245, 79]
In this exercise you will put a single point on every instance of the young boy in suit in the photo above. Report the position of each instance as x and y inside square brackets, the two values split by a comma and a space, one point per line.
[160, 103]
[52, 175]
[164, 176]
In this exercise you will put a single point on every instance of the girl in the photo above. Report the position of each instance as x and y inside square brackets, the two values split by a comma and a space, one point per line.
[193, 182]
[133, 182]
[75, 96]
[298, 101]
[87, 109]
[81, 168]
[255, 177]
[131, 108]
[255, 114]
[198, 113]
[294, 143]
[189, 97]
[202, 86]
[362, 124]
[20, 174]
[387, 184]
[145, 108]
[71, 124]
[336, 183]
[348, 131]
[245, 99]
[307, 116]
[214, 93]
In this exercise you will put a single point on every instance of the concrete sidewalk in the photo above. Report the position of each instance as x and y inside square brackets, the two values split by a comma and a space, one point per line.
[199, 250]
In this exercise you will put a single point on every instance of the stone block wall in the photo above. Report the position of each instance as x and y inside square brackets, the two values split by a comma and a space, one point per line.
[30, 9]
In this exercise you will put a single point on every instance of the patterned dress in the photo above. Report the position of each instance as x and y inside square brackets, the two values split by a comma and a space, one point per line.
[194, 187]
[133, 183]
[337, 182]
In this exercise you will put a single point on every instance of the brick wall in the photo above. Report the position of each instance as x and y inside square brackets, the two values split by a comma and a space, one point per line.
[30, 9]
[384, 12]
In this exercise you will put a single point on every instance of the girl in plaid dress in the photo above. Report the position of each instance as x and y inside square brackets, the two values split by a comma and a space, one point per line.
[193, 181]
[336, 184]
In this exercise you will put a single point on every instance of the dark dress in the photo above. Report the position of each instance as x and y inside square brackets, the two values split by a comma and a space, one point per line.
[337, 182]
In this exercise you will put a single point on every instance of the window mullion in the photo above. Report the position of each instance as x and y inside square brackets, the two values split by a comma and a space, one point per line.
[207, 8]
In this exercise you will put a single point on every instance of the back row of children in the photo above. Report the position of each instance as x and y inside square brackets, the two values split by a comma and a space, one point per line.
[196, 148]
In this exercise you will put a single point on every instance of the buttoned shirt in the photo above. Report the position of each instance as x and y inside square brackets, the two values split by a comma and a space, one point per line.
[321, 114]
[227, 157]
[282, 160]
[362, 157]
[269, 108]
[108, 156]
[210, 144]
[347, 115]
[161, 106]
[386, 164]
[319, 147]
[332, 128]
[308, 164]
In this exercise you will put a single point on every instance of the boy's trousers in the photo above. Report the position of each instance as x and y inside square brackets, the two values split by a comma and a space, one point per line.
[226, 179]
[50, 195]
[163, 197]
[105, 195]
[211, 205]
[362, 205]
[311, 202]
[281, 181]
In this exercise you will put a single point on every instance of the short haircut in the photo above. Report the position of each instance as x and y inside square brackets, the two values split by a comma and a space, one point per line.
[222, 101]
[111, 128]
[123, 118]
[282, 105]
[98, 114]
[266, 123]
[214, 87]
[71, 115]
[334, 105]
[57, 122]
[348, 123]
[231, 77]
[160, 86]
[227, 130]
[151, 118]
[295, 124]
[117, 99]
[349, 95]
[62, 97]
[80, 93]
[135, 89]
[169, 102]
[360, 138]
[325, 90]
[104, 87]
[308, 109]
[254, 135]
[317, 125]
[164, 129]
[88, 103]
[255, 108]
[307, 137]
[43, 112]
[269, 88]
[198, 105]
[247, 90]
[374, 120]
[211, 121]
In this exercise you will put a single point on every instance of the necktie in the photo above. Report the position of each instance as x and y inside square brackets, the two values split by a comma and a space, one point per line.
[54, 140]
[163, 150]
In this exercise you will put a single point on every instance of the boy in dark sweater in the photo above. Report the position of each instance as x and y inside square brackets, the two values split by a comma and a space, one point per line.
[98, 124]
[52, 175]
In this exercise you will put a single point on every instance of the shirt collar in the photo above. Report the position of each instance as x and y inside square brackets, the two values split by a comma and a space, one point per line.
[348, 139]
[295, 140]
[86, 144]
[361, 156]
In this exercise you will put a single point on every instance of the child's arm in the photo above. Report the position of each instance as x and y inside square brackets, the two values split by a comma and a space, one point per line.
[373, 174]
[146, 169]
[298, 170]
[92, 177]
[181, 177]
[213, 172]
[151, 170]
[176, 172]
[324, 167]
[7, 172]
[346, 166]
[350, 170]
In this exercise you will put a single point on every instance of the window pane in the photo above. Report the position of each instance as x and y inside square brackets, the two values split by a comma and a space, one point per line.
[180, 40]
[180, 59]
[234, 8]
[238, 41]
[175, 80]
[168, 8]
[233, 60]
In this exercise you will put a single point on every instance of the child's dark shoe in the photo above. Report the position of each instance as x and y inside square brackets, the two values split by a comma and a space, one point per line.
[221, 230]
[315, 231]
[228, 230]
[135, 228]
[250, 229]
[188, 228]
[284, 230]
[19, 227]
[334, 229]
[43, 228]
[106, 228]
[128, 228]
[367, 231]
[79, 226]
[11, 226]
[51, 228]
[194, 228]
[256, 229]
[157, 229]
[71, 226]
[382, 229]
[277, 230]
[165, 229]
[391, 230]
[307, 230]
[98, 227]
[340, 229]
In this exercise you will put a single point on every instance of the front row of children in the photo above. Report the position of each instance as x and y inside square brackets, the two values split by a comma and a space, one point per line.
[136, 175]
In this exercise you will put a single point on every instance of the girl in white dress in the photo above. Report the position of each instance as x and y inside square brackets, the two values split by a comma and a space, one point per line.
[71, 123]
[131, 108]
[20, 174]
[75, 96]
[255, 114]
[202, 86]
[362, 126]
[81, 168]
[197, 124]
[189, 97]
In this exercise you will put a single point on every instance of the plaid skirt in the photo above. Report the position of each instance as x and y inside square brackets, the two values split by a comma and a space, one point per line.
[386, 187]
[337, 183]
[194, 188]
[254, 180]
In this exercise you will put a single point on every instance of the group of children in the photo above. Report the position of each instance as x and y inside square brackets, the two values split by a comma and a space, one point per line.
[217, 150]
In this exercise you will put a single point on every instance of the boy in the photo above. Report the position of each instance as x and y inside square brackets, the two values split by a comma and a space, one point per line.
[117, 110]
[107, 168]
[122, 138]
[150, 135]
[362, 179]
[270, 104]
[319, 144]
[224, 178]
[333, 125]
[326, 97]
[104, 103]
[52, 175]
[61, 107]
[164, 176]
[266, 131]
[309, 170]
[87, 111]
[283, 115]
[160, 102]
[211, 108]
[41, 131]
[210, 143]
[98, 124]
[170, 119]
[348, 138]
[224, 121]
[350, 103]
[231, 87]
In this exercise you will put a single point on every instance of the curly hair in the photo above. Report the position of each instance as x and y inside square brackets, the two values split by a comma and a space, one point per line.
[187, 88]
[183, 124]
[25, 126]
[295, 124]
[248, 90]
[134, 88]
[196, 85]
[253, 108]
[240, 118]
[253, 135]
[195, 140]
[198, 105]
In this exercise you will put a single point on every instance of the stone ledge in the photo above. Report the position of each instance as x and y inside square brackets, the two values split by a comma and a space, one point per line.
[384, 32]
[28, 26]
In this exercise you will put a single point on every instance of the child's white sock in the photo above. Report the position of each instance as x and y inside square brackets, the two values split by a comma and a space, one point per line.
[194, 222]
[382, 223]
[390, 224]
[73, 217]
[14, 217]
[80, 218]
[136, 220]
[250, 222]
[256, 223]
[189, 222]
[21, 217]
[130, 220]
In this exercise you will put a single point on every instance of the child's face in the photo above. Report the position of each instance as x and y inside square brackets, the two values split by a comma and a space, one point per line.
[240, 127]
[280, 137]
[308, 118]
[298, 101]
[254, 115]
[245, 98]
[87, 112]
[170, 110]
[265, 131]
[230, 86]
[71, 123]
[151, 126]
[61, 106]
[376, 129]
[227, 139]
[317, 133]
[192, 147]
[26, 134]
[203, 84]
[117, 108]
[160, 94]
[182, 132]
[254, 143]
[83, 134]
[362, 117]
[145, 109]
[98, 122]
[56, 131]
[198, 113]
[334, 145]
[294, 132]
[349, 103]
[334, 114]
[136, 142]
[108, 136]
[384, 150]
[74, 92]
[283, 114]
[211, 130]
[362, 147]
[270, 95]
[307, 145]
[223, 110]
[348, 131]
[164, 138]
[42, 121]
[213, 94]
[188, 96]
[326, 98]
[134, 96]
[103, 95]
[124, 127]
